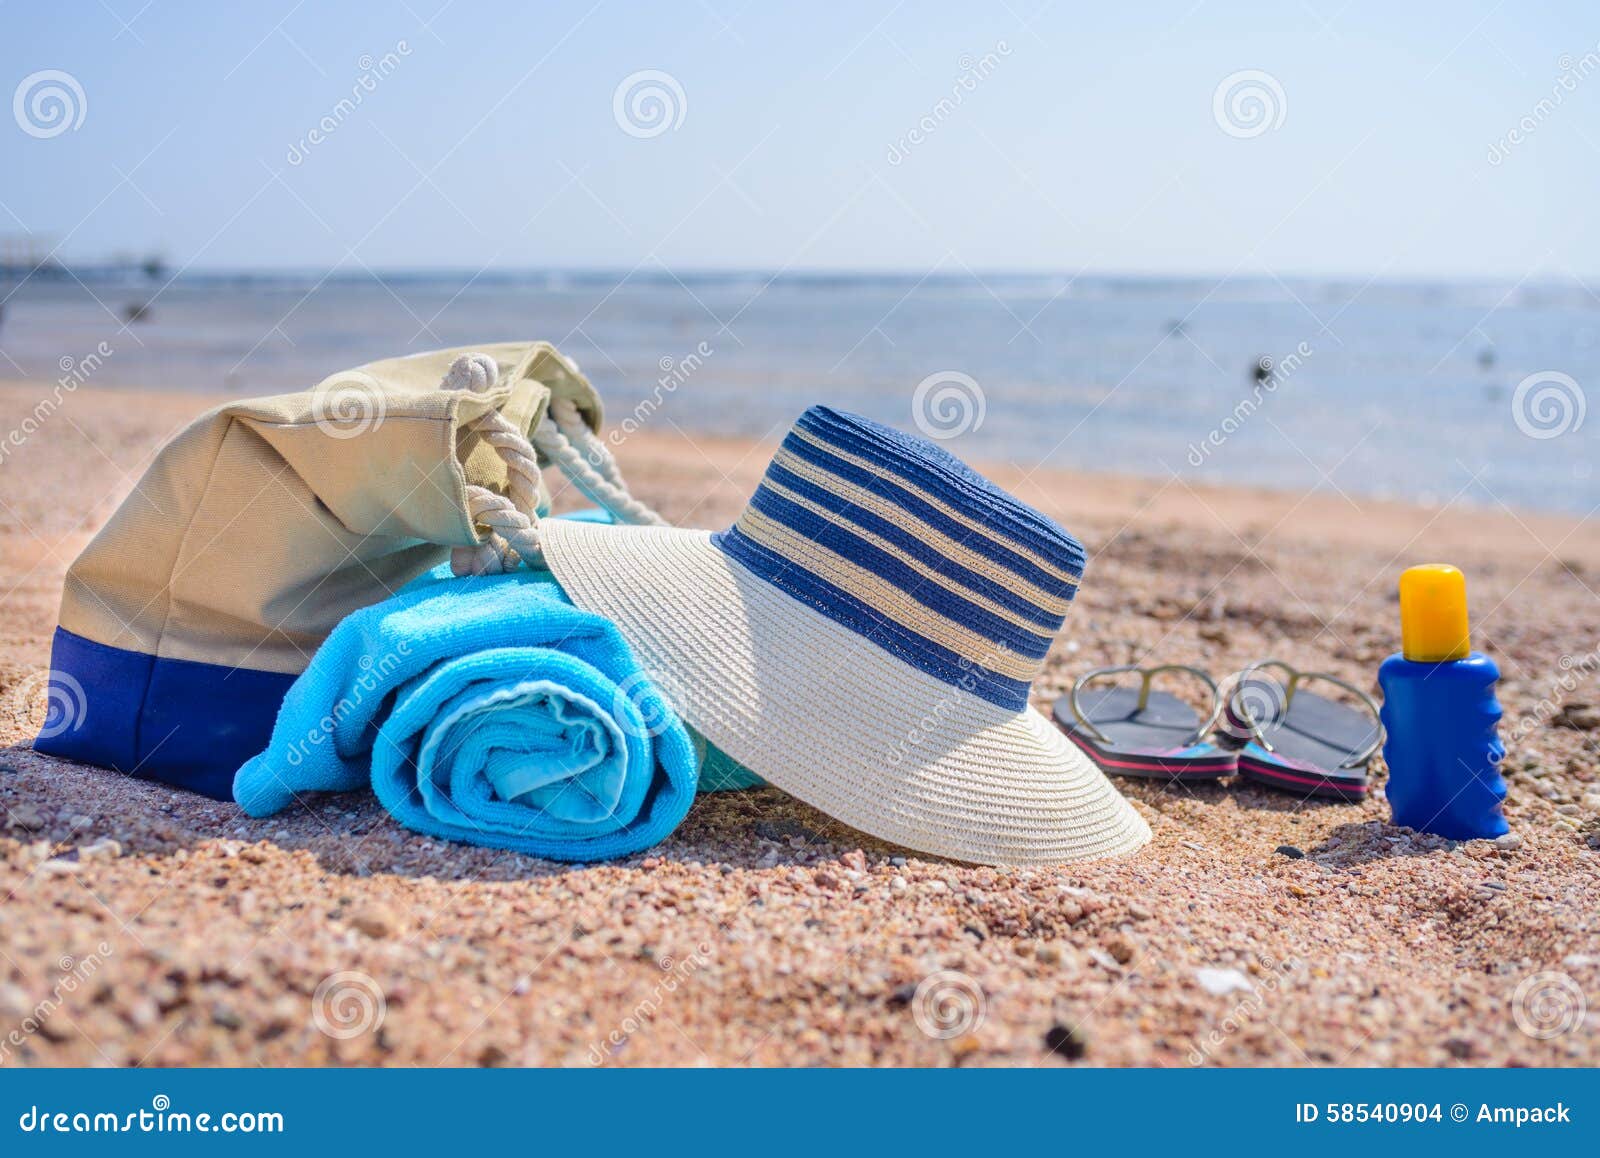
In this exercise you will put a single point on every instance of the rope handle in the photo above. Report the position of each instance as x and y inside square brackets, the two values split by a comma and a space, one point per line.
[510, 522]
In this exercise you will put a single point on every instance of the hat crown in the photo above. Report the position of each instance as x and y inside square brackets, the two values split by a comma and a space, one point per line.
[900, 541]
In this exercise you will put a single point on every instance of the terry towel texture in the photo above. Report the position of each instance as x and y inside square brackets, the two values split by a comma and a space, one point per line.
[487, 710]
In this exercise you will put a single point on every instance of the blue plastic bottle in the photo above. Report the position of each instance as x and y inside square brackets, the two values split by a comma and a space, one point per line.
[1440, 714]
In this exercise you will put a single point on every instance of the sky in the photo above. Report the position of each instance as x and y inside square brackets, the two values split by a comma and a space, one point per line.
[1368, 139]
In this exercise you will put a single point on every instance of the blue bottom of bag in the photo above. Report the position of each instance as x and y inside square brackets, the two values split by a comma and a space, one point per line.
[176, 721]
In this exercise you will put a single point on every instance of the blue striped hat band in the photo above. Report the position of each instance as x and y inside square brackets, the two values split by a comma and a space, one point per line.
[908, 547]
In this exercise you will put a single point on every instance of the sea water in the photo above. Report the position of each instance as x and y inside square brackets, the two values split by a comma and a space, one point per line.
[1440, 393]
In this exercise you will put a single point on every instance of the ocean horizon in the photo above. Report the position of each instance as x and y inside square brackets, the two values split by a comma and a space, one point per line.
[1431, 391]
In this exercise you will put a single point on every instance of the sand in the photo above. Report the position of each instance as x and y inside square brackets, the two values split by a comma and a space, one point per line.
[139, 925]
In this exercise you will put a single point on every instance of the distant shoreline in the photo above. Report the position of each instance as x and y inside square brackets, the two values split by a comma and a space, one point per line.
[133, 272]
[1421, 391]
[1459, 529]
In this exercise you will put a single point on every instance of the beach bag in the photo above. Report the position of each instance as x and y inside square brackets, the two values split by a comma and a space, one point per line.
[267, 521]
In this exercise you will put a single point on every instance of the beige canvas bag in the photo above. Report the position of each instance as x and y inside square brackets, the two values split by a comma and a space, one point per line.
[267, 521]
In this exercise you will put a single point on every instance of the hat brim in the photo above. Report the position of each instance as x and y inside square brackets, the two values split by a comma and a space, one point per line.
[831, 717]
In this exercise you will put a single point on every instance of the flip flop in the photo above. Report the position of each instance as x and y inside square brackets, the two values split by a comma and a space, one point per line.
[1298, 741]
[1144, 733]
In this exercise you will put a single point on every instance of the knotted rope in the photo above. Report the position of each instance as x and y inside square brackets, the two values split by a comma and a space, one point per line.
[510, 521]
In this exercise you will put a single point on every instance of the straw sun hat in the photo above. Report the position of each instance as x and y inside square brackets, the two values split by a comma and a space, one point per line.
[864, 637]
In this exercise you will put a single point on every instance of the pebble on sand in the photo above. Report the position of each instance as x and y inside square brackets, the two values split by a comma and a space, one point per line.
[103, 849]
[1221, 982]
[1579, 717]
[26, 817]
[373, 920]
[1067, 1040]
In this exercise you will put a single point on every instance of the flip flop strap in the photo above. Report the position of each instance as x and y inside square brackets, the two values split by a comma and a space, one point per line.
[1146, 676]
[509, 522]
[1297, 678]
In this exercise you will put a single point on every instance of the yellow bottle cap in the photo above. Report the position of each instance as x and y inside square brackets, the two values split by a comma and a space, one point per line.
[1433, 613]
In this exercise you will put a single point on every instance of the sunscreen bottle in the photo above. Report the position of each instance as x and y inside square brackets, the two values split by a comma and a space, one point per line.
[1440, 714]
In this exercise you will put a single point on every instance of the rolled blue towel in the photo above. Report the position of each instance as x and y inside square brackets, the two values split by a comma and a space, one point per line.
[488, 710]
